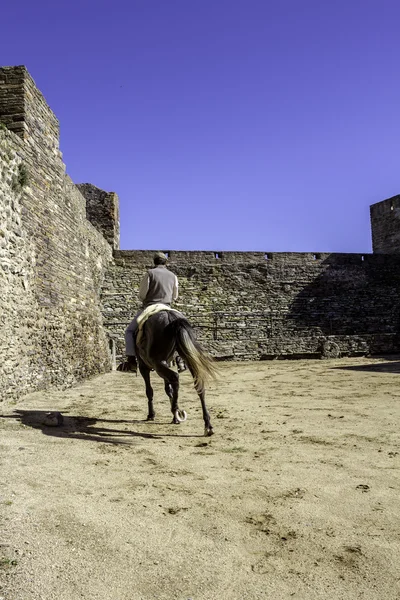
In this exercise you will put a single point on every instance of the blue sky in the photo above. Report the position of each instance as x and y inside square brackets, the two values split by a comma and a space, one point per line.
[223, 124]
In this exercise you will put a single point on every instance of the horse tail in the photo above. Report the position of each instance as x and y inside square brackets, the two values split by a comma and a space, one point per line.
[200, 364]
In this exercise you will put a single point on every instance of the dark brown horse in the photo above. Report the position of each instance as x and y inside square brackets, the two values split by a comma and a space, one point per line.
[165, 334]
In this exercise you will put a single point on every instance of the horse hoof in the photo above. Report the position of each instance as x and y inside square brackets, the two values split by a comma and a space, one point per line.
[208, 431]
[182, 415]
[179, 417]
[150, 418]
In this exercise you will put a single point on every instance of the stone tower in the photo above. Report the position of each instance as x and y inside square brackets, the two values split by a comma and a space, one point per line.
[385, 226]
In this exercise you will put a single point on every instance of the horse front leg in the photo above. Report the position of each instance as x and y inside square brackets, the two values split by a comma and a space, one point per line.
[145, 373]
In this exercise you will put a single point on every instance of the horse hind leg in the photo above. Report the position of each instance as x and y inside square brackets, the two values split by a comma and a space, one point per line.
[169, 390]
[208, 428]
[145, 373]
[171, 385]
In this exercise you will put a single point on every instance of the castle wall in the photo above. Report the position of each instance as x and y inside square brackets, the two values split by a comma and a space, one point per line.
[65, 286]
[257, 306]
[102, 210]
[52, 259]
[385, 226]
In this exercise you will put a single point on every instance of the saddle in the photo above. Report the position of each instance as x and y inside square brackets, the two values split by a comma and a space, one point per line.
[148, 312]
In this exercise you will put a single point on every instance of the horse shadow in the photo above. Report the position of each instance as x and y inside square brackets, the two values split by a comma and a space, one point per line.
[86, 428]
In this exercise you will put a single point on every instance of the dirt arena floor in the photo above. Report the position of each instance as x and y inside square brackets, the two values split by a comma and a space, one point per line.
[295, 496]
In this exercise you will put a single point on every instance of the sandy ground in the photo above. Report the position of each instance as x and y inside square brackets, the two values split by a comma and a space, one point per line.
[295, 496]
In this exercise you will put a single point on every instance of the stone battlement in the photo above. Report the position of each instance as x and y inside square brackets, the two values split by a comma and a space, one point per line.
[385, 225]
[24, 110]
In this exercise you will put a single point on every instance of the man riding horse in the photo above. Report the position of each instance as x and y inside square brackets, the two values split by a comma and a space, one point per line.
[157, 334]
[158, 286]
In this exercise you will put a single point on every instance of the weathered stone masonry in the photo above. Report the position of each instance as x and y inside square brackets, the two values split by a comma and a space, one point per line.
[102, 210]
[65, 287]
[385, 222]
[260, 306]
[52, 259]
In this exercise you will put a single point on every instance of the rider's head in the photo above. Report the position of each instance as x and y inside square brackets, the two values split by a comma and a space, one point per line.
[160, 258]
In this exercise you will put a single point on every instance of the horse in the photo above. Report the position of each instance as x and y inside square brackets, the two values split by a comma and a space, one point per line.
[163, 335]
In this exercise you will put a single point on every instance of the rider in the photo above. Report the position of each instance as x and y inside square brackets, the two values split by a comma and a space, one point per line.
[159, 285]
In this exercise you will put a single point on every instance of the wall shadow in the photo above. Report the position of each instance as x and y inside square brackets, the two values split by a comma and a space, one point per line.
[388, 367]
[351, 295]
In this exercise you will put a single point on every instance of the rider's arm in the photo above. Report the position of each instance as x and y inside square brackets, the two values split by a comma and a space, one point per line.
[175, 290]
[144, 288]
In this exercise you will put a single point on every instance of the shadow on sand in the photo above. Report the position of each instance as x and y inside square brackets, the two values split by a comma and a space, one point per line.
[87, 428]
[393, 366]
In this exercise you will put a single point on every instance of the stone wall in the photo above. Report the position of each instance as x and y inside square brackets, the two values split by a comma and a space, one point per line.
[52, 259]
[260, 306]
[18, 306]
[102, 210]
[385, 225]
[66, 288]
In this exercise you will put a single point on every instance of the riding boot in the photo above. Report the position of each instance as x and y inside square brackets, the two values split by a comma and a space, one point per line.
[132, 362]
[180, 363]
[129, 365]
